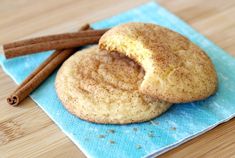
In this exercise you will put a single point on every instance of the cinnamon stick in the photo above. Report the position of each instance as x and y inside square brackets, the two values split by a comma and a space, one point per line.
[50, 45]
[59, 41]
[40, 74]
[63, 36]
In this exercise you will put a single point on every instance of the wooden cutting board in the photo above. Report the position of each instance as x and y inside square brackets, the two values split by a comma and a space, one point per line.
[26, 131]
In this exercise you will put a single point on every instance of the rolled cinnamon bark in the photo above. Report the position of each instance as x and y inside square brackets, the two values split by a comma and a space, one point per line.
[48, 38]
[49, 45]
[40, 74]
[59, 41]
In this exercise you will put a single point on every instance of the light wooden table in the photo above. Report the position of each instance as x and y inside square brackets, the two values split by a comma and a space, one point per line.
[26, 131]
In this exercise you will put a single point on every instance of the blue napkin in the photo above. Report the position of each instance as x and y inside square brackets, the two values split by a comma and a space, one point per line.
[179, 124]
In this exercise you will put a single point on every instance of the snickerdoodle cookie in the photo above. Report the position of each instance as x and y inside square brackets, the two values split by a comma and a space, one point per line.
[102, 87]
[176, 70]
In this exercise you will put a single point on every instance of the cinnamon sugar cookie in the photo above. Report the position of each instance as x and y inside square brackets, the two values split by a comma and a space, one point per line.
[176, 70]
[102, 87]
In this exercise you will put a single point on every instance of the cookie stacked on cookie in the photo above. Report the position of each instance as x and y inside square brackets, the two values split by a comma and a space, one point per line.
[138, 72]
[176, 70]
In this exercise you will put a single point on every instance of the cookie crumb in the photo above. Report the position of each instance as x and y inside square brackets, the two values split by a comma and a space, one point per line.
[112, 142]
[111, 131]
[138, 146]
[151, 135]
[173, 128]
[101, 136]
[135, 129]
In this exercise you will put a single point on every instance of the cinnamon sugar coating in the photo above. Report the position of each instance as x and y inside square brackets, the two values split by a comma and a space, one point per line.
[103, 87]
[176, 70]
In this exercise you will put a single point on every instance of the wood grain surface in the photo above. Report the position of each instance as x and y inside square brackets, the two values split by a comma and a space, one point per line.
[27, 132]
